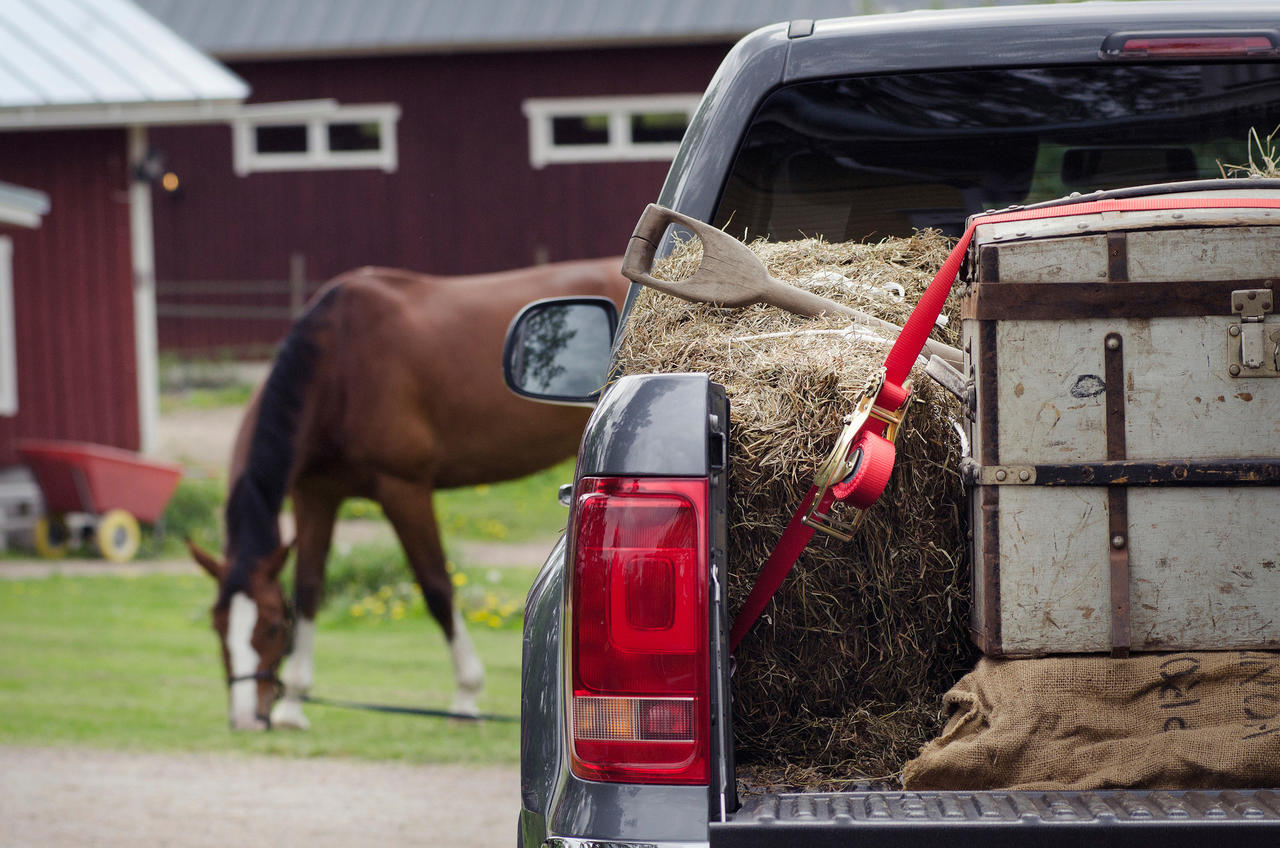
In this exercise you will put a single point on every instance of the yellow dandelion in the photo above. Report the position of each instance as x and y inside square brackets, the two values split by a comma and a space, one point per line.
[356, 610]
[384, 592]
[494, 621]
[483, 489]
[459, 579]
[477, 616]
[397, 612]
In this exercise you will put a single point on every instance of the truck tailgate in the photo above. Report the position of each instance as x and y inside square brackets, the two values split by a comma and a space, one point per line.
[883, 819]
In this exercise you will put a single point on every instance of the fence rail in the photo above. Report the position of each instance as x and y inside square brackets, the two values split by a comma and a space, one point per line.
[185, 288]
[236, 313]
[221, 314]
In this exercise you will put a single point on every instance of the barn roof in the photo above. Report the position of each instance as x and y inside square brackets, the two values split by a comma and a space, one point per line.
[102, 63]
[240, 29]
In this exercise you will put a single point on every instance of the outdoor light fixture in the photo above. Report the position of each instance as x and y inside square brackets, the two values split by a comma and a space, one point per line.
[150, 167]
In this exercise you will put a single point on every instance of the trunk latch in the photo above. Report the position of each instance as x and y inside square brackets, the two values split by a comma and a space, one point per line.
[1253, 345]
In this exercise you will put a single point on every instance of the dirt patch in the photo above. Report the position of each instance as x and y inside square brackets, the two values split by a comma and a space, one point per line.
[76, 797]
[200, 439]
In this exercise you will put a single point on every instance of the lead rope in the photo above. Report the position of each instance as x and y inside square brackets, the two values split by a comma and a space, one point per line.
[403, 710]
[859, 467]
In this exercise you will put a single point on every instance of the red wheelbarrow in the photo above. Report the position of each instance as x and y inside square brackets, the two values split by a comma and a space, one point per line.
[96, 491]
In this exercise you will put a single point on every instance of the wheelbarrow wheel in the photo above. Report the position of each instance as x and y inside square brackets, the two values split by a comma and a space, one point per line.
[52, 536]
[118, 536]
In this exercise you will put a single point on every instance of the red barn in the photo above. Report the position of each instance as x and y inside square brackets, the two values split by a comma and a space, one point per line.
[80, 85]
[448, 138]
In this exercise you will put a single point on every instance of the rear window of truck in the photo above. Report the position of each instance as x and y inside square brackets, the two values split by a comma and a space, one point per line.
[878, 156]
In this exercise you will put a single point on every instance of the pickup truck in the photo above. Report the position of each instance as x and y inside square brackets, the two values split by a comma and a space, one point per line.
[860, 127]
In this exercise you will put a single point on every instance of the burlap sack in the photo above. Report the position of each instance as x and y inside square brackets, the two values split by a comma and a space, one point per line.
[1155, 721]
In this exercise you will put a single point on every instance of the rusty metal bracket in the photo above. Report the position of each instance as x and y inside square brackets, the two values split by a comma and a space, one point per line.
[1005, 475]
[1117, 498]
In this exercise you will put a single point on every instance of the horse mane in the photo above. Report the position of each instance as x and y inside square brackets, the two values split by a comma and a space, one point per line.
[253, 507]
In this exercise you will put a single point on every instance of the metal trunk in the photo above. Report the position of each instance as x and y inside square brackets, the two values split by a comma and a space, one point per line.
[1126, 430]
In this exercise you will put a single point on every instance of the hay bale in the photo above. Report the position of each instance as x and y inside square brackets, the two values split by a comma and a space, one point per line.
[841, 679]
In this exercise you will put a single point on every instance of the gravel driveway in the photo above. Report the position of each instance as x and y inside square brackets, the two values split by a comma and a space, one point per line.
[56, 797]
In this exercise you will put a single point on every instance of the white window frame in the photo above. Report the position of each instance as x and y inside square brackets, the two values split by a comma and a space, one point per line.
[316, 116]
[620, 147]
[8, 333]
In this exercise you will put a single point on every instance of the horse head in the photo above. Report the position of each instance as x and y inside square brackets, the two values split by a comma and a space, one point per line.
[255, 627]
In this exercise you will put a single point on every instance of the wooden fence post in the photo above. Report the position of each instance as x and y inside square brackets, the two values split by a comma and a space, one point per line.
[297, 283]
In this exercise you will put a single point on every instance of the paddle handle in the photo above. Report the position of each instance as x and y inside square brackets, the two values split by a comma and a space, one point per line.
[729, 275]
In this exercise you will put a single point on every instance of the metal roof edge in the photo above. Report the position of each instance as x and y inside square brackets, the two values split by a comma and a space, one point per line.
[450, 48]
[117, 115]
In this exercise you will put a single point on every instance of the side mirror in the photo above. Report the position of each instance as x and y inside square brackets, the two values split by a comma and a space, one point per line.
[558, 350]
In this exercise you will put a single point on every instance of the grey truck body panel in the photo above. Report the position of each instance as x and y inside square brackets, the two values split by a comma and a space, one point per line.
[646, 427]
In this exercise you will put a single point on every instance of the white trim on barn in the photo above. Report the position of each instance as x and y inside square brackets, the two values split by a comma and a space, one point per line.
[312, 123]
[22, 206]
[8, 334]
[116, 115]
[145, 325]
[615, 117]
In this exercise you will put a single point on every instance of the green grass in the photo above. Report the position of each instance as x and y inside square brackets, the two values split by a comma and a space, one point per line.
[518, 510]
[373, 583]
[206, 398]
[194, 511]
[132, 663]
[514, 511]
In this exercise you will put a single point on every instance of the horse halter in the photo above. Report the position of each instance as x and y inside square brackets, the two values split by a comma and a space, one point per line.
[268, 676]
[272, 674]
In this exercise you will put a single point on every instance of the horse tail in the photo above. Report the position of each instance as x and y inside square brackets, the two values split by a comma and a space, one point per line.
[257, 494]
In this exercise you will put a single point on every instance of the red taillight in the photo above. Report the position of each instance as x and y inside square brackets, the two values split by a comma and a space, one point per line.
[639, 633]
[1189, 45]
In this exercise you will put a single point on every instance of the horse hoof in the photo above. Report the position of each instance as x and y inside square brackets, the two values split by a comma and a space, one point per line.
[249, 725]
[465, 705]
[288, 715]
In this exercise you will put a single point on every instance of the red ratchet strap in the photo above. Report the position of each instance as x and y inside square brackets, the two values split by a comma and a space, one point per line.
[869, 455]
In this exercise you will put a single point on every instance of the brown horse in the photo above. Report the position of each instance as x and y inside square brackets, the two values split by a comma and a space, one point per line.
[389, 387]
